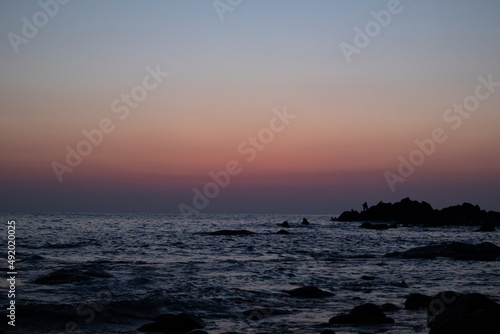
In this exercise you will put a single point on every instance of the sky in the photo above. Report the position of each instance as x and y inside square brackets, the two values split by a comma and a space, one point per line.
[258, 106]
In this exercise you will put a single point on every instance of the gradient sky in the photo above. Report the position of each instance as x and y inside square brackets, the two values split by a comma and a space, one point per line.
[353, 120]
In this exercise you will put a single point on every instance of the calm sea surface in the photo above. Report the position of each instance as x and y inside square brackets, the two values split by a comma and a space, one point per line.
[168, 264]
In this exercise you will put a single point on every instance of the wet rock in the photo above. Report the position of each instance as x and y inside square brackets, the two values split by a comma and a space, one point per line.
[367, 314]
[389, 307]
[197, 331]
[174, 323]
[231, 232]
[305, 221]
[282, 232]
[401, 284]
[469, 313]
[486, 228]
[417, 301]
[309, 292]
[485, 251]
[368, 278]
[284, 224]
[261, 313]
[63, 276]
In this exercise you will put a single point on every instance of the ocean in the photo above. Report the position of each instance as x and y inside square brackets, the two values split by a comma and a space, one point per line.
[138, 266]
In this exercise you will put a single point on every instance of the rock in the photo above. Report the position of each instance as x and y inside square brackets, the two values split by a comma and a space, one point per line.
[368, 314]
[197, 331]
[327, 331]
[309, 292]
[368, 278]
[486, 228]
[370, 226]
[261, 313]
[174, 323]
[407, 211]
[485, 251]
[63, 276]
[389, 307]
[469, 313]
[401, 284]
[232, 232]
[440, 303]
[282, 232]
[417, 301]
[305, 221]
[284, 224]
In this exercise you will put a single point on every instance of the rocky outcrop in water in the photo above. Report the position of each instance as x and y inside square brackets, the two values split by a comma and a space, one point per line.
[463, 314]
[284, 224]
[367, 314]
[232, 232]
[174, 323]
[485, 251]
[282, 232]
[417, 301]
[305, 221]
[421, 213]
[309, 292]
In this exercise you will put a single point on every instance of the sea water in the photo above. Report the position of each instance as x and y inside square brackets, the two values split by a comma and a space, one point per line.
[161, 263]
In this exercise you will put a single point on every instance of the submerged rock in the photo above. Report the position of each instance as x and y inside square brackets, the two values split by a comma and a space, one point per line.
[485, 251]
[284, 224]
[282, 232]
[63, 276]
[389, 307]
[309, 292]
[174, 323]
[261, 313]
[463, 314]
[368, 314]
[232, 232]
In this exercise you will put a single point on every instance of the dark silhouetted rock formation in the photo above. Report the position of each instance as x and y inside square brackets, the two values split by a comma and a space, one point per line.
[282, 232]
[485, 251]
[305, 221]
[421, 213]
[309, 292]
[231, 232]
[463, 314]
[369, 314]
[284, 224]
[417, 301]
